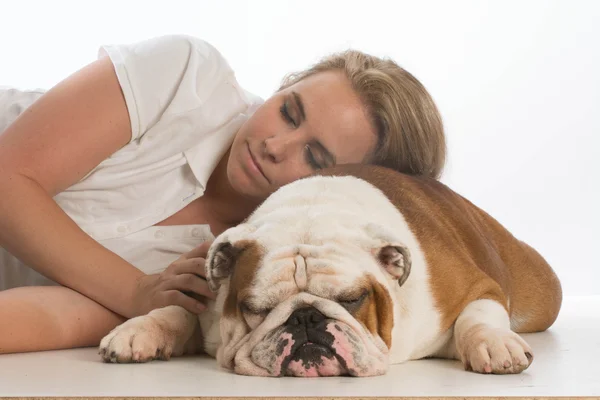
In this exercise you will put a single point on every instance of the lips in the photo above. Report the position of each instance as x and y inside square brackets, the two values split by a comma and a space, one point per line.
[308, 351]
[255, 164]
[315, 360]
[310, 359]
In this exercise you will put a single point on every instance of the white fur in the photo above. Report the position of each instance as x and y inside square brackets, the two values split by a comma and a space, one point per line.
[325, 224]
[165, 332]
[484, 341]
[331, 221]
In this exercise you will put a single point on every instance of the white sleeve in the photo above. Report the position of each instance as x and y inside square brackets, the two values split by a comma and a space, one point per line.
[154, 73]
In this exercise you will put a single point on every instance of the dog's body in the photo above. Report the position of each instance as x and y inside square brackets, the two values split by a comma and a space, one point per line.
[346, 274]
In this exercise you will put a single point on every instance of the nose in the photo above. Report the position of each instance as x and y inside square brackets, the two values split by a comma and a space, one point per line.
[310, 317]
[278, 147]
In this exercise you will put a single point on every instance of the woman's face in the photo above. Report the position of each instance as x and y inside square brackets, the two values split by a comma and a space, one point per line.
[315, 123]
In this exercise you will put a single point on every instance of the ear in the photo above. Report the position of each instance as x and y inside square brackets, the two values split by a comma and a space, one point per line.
[223, 254]
[395, 259]
[393, 255]
[219, 265]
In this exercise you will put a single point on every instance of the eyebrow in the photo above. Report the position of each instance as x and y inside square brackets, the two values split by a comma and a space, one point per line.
[300, 105]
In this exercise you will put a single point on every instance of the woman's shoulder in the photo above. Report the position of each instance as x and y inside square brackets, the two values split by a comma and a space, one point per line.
[167, 75]
[163, 49]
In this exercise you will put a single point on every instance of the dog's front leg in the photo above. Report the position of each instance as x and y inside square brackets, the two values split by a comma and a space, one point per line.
[485, 343]
[165, 332]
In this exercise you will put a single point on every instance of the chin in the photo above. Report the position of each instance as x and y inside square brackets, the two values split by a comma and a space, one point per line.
[244, 186]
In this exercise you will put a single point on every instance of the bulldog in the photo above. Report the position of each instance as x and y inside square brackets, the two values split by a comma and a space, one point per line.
[354, 269]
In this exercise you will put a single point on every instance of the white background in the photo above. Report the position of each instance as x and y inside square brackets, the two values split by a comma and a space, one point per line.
[517, 82]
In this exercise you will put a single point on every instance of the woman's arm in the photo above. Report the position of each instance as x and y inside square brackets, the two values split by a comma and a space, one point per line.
[55, 142]
[37, 318]
[50, 318]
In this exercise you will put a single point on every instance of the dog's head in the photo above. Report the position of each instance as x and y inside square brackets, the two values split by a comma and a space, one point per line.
[304, 291]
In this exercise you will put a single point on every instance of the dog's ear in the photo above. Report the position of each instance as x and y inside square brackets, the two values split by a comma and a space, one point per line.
[395, 259]
[223, 254]
[392, 255]
[219, 265]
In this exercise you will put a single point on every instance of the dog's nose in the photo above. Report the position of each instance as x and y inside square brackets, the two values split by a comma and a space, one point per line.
[308, 316]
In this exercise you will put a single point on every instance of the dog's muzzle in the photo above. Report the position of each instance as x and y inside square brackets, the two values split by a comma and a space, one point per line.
[308, 349]
[310, 337]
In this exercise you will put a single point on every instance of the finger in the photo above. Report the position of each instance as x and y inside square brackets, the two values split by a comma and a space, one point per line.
[177, 298]
[191, 266]
[191, 283]
[199, 251]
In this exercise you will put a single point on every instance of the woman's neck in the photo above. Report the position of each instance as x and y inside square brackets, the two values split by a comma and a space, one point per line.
[225, 204]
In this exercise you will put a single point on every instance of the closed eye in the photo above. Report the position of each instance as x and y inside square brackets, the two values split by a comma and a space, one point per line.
[249, 309]
[310, 158]
[352, 304]
[327, 159]
[285, 113]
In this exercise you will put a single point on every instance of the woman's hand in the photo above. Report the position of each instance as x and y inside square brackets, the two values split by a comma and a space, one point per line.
[182, 284]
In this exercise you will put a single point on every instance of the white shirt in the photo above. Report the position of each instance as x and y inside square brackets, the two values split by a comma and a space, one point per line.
[185, 107]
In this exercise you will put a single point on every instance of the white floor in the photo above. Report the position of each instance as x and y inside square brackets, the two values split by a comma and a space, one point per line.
[567, 363]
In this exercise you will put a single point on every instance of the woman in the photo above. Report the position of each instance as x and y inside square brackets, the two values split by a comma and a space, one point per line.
[154, 148]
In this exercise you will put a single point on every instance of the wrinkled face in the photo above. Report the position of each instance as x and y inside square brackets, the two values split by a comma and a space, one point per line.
[315, 123]
[302, 302]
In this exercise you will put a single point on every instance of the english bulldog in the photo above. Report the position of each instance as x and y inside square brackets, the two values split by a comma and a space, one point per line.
[354, 269]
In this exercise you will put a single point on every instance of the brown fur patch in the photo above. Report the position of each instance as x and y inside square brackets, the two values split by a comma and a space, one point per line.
[243, 275]
[470, 255]
[376, 312]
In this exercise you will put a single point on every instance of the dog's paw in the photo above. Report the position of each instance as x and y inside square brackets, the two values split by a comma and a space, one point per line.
[140, 339]
[490, 350]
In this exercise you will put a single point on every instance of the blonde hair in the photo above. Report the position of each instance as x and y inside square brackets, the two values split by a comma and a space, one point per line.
[408, 124]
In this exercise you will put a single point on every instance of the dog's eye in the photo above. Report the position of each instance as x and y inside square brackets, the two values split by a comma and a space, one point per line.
[248, 309]
[352, 304]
